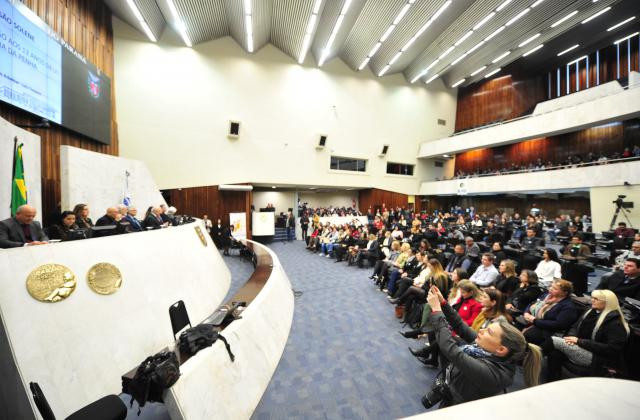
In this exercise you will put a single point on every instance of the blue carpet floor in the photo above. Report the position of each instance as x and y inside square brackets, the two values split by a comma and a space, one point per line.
[344, 358]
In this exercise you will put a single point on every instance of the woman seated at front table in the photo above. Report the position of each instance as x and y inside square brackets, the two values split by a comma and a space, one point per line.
[553, 314]
[485, 366]
[62, 229]
[596, 342]
[527, 292]
[549, 268]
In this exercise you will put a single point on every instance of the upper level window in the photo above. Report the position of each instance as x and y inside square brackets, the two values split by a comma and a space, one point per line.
[400, 169]
[348, 164]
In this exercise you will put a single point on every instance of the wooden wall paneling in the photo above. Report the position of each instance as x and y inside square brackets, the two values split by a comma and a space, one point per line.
[608, 139]
[501, 98]
[520, 204]
[198, 201]
[86, 26]
[375, 197]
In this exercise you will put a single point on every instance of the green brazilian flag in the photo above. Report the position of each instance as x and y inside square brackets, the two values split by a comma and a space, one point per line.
[18, 187]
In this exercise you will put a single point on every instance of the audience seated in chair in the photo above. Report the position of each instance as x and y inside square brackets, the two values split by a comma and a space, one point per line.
[595, 342]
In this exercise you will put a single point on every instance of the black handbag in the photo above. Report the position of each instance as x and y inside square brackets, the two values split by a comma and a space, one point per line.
[199, 337]
[155, 374]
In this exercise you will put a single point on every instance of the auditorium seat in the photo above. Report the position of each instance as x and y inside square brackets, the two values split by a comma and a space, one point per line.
[106, 408]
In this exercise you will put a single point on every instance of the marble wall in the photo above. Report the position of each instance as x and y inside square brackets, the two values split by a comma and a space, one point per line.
[99, 180]
[31, 161]
[77, 349]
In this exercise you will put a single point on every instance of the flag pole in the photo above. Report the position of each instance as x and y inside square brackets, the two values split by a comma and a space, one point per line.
[13, 168]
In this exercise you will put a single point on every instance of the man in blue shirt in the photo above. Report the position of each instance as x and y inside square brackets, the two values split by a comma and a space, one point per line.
[486, 274]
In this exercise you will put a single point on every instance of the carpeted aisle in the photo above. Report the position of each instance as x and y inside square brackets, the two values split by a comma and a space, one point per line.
[344, 357]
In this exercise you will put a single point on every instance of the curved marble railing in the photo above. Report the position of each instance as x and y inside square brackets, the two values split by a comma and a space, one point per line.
[579, 398]
[77, 349]
[210, 385]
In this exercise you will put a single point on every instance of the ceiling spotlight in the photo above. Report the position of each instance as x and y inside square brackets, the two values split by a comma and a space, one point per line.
[531, 51]
[518, 16]
[601, 12]
[503, 5]
[495, 60]
[486, 76]
[432, 78]
[617, 25]
[564, 19]
[626, 37]
[568, 49]
[478, 71]
[528, 40]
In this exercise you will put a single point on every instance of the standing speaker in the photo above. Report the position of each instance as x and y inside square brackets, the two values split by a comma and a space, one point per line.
[234, 130]
[322, 141]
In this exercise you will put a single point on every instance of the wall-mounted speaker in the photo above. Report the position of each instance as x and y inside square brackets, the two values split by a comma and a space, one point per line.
[234, 130]
[322, 142]
[384, 151]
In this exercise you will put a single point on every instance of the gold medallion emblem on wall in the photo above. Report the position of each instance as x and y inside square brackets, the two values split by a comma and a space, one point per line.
[104, 278]
[201, 235]
[51, 283]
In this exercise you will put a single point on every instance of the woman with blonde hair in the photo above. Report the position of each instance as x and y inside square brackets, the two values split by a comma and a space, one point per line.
[485, 365]
[507, 281]
[595, 342]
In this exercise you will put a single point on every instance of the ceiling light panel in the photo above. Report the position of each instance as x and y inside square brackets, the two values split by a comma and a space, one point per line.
[486, 21]
[178, 23]
[311, 29]
[204, 21]
[619, 24]
[412, 23]
[261, 13]
[142, 21]
[531, 31]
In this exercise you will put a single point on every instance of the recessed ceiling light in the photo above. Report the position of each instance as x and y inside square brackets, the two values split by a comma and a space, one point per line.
[478, 71]
[564, 19]
[395, 57]
[486, 76]
[483, 21]
[495, 60]
[436, 61]
[518, 16]
[531, 51]
[432, 78]
[458, 83]
[503, 5]
[180, 26]
[568, 49]
[384, 70]
[617, 25]
[141, 20]
[364, 63]
[446, 53]
[461, 40]
[496, 32]
[457, 60]
[601, 12]
[403, 12]
[334, 31]
[536, 3]
[584, 57]
[375, 49]
[273, 186]
[528, 40]
[475, 47]
[626, 37]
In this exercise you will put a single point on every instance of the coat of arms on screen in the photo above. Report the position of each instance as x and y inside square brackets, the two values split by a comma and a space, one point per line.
[93, 83]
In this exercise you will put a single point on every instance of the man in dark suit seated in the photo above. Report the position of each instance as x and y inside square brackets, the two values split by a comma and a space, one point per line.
[530, 244]
[154, 220]
[625, 283]
[111, 218]
[135, 225]
[22, 230]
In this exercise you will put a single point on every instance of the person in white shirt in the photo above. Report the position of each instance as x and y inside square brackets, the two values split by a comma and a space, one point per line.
[549, 268]
[486, 274]
[634, 252]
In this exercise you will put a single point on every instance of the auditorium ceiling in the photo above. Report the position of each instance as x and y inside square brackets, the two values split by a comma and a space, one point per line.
[424, 40]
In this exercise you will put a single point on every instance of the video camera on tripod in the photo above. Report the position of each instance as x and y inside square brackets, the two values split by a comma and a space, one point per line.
[623, 206]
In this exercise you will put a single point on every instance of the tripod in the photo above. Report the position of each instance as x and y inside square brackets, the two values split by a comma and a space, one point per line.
[615, 216]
